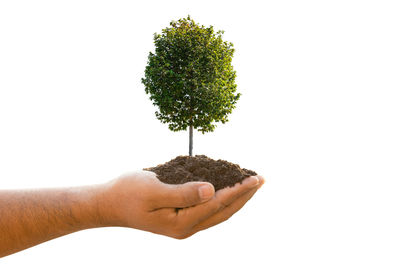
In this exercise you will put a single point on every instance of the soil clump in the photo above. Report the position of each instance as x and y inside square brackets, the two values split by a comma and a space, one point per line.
[182, 169]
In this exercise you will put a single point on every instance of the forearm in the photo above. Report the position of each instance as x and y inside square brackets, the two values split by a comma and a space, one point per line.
[30, 217]
[137, 200]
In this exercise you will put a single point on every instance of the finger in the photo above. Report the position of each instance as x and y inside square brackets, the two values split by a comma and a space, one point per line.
[226, 213]
[182, 195]
[261, 180]
[223, 198]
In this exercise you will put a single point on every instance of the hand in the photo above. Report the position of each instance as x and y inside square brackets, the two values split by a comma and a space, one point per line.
[139, 200]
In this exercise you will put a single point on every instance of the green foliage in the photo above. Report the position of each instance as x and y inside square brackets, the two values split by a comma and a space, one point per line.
[190, 76]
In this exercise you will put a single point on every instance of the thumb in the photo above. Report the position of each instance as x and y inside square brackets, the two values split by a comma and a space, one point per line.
[185, 195]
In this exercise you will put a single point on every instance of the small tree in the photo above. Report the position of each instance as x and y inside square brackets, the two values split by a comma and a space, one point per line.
[190, 77]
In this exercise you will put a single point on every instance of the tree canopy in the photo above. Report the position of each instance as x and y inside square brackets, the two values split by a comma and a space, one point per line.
[190, 77]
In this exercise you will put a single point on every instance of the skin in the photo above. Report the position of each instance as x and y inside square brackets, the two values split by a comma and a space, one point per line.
[136, 200]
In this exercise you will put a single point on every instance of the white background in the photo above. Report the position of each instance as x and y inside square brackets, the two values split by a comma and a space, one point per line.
[318, 118]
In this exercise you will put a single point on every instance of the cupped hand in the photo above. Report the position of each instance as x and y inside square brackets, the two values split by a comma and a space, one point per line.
[139, 200]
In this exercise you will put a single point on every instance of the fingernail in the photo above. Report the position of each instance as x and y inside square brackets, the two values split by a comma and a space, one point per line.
[206, 191]
[251, 181]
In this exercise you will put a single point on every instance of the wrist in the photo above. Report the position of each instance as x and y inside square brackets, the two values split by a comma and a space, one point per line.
[104, 207]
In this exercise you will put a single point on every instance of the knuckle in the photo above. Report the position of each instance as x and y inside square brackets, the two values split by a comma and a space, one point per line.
[189, 197]
[186, 198]
[224, 204]
[226, 217]
[182, 236]
[180, 231]
[217, 207]
[179, 237]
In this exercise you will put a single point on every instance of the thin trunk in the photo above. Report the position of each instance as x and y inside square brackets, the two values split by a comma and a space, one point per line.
[190, 140]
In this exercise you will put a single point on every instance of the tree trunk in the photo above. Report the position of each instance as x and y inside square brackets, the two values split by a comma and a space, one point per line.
[190, 140]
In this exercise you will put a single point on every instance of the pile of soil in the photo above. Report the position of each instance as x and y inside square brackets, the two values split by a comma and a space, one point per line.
[184, 169]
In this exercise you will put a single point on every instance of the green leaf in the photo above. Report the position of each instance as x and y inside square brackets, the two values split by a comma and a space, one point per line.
[189, 76]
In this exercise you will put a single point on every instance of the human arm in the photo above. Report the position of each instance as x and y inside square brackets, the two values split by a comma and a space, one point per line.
[137, 200]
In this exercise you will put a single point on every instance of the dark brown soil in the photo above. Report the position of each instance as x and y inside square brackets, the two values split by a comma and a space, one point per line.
[184, 169]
